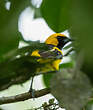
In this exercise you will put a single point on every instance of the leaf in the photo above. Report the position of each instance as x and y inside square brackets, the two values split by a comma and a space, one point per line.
[56, 14]
[51, 101]
[46, 79]
[72, 90]
[89, 105]
[9, 35]
[66, 65]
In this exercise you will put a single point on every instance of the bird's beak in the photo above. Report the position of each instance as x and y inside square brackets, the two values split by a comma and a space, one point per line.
[63, 41]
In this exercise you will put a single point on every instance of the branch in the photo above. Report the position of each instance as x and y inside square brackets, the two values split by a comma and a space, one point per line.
[23, 96]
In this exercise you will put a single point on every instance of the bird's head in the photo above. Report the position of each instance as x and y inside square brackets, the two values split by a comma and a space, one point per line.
[58, 40]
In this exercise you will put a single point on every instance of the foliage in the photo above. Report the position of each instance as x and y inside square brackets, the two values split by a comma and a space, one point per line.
[56, 15]
[60, 15]
[50, 105]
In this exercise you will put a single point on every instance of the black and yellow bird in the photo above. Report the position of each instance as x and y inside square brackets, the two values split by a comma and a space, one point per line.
[32, 60]
[53, 56]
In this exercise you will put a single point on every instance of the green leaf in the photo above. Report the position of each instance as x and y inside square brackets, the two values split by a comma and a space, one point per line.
[9, 35]
[66, 65]
[51, 101]
[56, 14]
[89, 105]
[46, 79]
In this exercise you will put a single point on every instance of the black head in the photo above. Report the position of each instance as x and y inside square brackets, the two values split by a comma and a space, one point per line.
[62, 41]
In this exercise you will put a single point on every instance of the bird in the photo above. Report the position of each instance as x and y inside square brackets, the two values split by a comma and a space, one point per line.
[51, 58]
[54, 55]
[37, 58]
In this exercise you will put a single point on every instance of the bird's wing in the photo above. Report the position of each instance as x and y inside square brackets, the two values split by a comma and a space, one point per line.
[53, 54]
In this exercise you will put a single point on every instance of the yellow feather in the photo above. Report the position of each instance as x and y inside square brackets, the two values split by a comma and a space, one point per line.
[52, 40]
[56, 64]
[35, 53]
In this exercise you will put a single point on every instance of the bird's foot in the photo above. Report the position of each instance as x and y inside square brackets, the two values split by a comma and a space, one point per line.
[32, 92]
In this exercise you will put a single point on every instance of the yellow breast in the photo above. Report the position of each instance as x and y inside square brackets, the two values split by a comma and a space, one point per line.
[49, 64]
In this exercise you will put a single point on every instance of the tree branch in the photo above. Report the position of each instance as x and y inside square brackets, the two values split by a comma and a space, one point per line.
[23, 96]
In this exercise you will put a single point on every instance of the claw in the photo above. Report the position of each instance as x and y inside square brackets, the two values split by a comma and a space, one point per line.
[32, 91]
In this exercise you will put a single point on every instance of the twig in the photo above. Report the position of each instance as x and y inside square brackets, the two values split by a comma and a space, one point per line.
[23, 96]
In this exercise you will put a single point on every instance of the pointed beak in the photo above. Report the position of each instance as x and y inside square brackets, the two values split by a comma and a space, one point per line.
[63, 41]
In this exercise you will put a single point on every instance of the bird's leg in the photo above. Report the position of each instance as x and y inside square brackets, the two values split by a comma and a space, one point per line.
[31, 84]
[31, 90]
